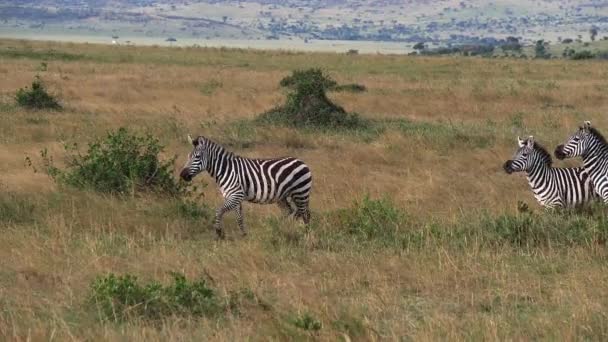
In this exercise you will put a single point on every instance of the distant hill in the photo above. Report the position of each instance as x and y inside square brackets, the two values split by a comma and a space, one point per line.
[434, 22]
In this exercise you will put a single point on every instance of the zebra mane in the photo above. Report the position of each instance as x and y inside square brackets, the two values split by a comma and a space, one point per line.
[212, 145]
[546, 156]
[598, 135]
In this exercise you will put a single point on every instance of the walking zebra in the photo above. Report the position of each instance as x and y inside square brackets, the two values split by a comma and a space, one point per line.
[285, 181]
[588, 143]
[552, 187]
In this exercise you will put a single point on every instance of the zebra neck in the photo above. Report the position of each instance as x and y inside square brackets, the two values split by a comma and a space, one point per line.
[596, 159]
[219, 162]
[539, 175]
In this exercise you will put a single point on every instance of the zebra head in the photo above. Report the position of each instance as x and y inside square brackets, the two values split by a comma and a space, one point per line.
[197, 159]
[577, 144]
[526, 157]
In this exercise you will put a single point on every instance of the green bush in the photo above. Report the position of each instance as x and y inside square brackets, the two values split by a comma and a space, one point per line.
[36, 97]
[374, 220]
[307, 104]
[119, 298]
[585, 54]
[307, 322]
[120, 163]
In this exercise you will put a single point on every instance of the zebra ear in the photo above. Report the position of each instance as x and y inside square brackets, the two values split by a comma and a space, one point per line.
[520, 142]
[530, 141]
[194, 142]
[587, 125]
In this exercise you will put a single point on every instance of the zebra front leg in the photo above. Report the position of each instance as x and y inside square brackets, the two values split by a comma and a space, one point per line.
[240, 219]
[229, 204]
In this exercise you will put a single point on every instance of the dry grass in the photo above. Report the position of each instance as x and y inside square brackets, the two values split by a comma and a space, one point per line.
[53, 250]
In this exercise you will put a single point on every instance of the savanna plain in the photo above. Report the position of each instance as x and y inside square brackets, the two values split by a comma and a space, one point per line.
[415, 235]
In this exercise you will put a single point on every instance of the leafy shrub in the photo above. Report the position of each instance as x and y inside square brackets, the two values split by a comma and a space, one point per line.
[585, 54]
[374, 220]
[307, 322]
[119, 298]
[307, 104]
[120, 163]
[36, 97]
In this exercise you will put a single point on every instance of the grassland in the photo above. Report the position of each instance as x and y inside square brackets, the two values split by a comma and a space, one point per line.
[438, 251]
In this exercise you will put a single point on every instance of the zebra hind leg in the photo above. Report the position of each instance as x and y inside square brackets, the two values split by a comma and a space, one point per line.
[302, 210]
[240, 220]
[286, 207]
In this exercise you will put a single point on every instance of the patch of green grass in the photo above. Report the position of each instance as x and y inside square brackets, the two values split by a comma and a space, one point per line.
[47, 55]
[446, 135]
[36, 120]
[15, 208]
[209, 87]
[378, 223]
[120, 298]
[307, 322]
[373, 220]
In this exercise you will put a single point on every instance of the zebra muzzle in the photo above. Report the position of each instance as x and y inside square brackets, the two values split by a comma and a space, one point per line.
[185, 175]
[559, 152]
[507, 166]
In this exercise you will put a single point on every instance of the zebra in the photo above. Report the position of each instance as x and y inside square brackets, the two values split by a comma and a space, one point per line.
[286, 181]
[552, 186]
[591, 145]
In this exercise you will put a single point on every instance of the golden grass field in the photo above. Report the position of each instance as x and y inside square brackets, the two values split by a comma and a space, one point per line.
[61, 239]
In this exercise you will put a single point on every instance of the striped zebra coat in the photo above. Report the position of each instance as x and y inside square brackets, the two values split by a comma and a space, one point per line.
[284, 181]
[588, 143]
[552, 187]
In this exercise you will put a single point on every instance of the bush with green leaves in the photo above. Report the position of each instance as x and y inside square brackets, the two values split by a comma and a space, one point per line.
[307, 104]
[36, 97]
[307, 322]
[374, 220]
[580, 55]
[120, 298]
[120, 163]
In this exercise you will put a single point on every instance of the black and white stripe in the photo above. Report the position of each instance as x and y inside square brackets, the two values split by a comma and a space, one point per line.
[285, 181]
[552, 187]
[590, 144]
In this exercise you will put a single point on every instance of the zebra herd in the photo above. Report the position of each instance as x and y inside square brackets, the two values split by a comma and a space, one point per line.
[565, 187]
[288, 181]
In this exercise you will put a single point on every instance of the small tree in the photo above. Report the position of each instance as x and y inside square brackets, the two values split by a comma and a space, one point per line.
[593, 33]
[541, 50]
[307, 103]
[36, 97]
[419, 46]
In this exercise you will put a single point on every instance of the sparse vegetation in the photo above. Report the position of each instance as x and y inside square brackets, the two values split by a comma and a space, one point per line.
[416, 232]
[120, 298]
[307, 322]
[37, 97]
